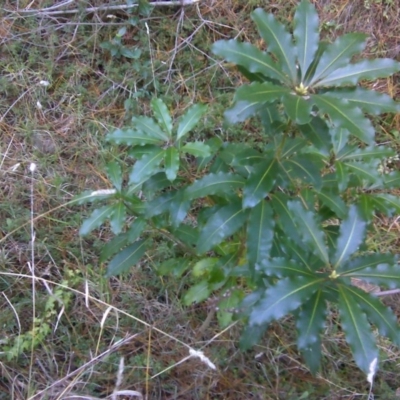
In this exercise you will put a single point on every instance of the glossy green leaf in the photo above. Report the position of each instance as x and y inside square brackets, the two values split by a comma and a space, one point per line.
[160, 205]
[382, 275]
[249, 57]
[222, 224]
[176, 266]
[260, 233]
[338, 54]
[190, 119]
[257, 92]
[297, 108]
[366, 69]
[382, 317]
[366, 171]
[352, 231]
[126, 259]
[366, 153]
[225, 307]
[388, 204]
[282, 266]
[138, 152]
[132, 137]
[339, 138]
[197, 149]
[171, 163]
[149, 127]
[271, 118]
[333, 201]
[344, 116]
[117, 219]
[278, 40]
[214, 184]
[114, 173]
[392, 180]
[342, 176]
[96, 219]
[146, 166]
[306, 34]
[369, 101]
[251, 336]
[242, 110]
[366, 261]
[357, 329]
[179, 208]
[155, 184]
[285, 296]
[309, 230]
[187, 234]
[162, 115]
[259, 184]
[197, 293]
[310, 323]
[317, 132]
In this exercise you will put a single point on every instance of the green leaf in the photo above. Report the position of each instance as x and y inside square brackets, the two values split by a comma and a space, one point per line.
[378, 314]
[260, 182]
[283, 267]
[306, 34]
[223, 223]
[187, 234]
[282, 298]
[176, 266]
[93, 196]
[96, 219]
[317, 132]
[260, 233]
[367, 153]
[278, 40]
[366, 69]
[342, 176]
[132, 137]
[171, 163]
[225, 307]
[197, 149]
[162, 115]
[366, 171]
[297, 108]
[179, 208]
[257, 92]
[369, 101]
[126, 259]
[249, 57]
[242, 110]
[345, 116]
[338, 54]
[366, 261]
[381, 275]
[149, 127]
[155, 184]
[309, 230]
[210, 184]
[251, 336]
[190, 119]
[333, 201]
[357, 329]
[114, 173]
[197, 293]
[117, 219]
[146, 166]
[310, 323]
[352, 231]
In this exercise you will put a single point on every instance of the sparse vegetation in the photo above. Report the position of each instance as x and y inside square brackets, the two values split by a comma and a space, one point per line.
[65, 332]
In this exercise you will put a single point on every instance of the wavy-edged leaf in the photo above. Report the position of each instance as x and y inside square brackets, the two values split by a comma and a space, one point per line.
[114, 173]
[357, 329]
[271, 118]
[366, 69]
[197, 293]
[306, 34]
[249, 57]
[146, 166]
[367, 261]
[317, 132]
[117, 219]
[222, 224]
[155, 184]
[382, 317]
[92, 196]
[338, 54]
[242, 110]
[133, 137]
[345, 116]
[381, 275]
[385, 203]
[260, 182]
[149, 127]
[352, 232]
[221, 182]
[257, 92]
[96, 219]
[283, 267]
[333, 201]
[238, 154]
[138, 152]
[179, 208]
[342, 176]
[171, 163]
[339, 138]
[127, 258]
[190, 119]
[176, 266]
[186, 234]
[369, 101]
[367, 172]
[392, 180]
[251, 336]
[297, 108]
[260, 233]
[285, 296]
[310, 323]
[278, 40]
[162, 115]
[367, 153]
[197, 149]
[308, 228]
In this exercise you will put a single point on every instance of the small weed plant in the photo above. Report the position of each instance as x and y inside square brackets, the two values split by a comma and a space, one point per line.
[279, 227]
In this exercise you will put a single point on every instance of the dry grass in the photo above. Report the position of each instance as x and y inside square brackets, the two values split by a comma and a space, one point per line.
[85, 325]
